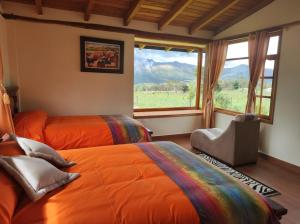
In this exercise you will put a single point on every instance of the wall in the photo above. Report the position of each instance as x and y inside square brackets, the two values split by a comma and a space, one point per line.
[49, 77]
[282, 139]
[45, 65]
[4, 49]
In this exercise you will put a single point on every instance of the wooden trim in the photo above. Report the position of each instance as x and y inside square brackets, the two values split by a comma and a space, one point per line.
[199, 74]
[249, 12]
[179, 46]
[88, 10]
[164, 109]
[93, 26]
[161, 114]
[39, 6]
[173, 13]
[212, 15]
[281, 163]
[156, 138]
[132, 11]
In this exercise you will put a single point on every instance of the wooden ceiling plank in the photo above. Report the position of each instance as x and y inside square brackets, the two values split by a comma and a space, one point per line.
[244, 15]
[132, 11]
[39, 6]
[173, 13]
[88, 10]
[212, 15]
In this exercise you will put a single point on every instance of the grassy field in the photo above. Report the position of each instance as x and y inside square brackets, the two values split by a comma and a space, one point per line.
[160, 99]
[234, 100]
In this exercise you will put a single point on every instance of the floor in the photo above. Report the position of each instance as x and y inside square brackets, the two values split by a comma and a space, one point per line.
[280, 178]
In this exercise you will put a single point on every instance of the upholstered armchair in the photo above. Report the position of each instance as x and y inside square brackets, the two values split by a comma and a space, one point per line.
[237, 145]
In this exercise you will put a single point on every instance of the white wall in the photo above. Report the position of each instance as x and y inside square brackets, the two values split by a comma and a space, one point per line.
[48, 71]
[282, 139]
[172, 125]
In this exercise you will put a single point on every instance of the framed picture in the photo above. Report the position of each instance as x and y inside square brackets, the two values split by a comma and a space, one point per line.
[101, 55]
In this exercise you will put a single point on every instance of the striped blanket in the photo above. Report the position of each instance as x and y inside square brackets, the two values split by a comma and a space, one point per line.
[216, 197]
[125, 129]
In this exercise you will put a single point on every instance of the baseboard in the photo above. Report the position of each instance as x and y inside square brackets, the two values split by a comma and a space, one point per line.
[172, 136]
[281, 163]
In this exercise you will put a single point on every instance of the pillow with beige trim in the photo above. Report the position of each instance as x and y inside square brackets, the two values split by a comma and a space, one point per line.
[40, 150]
[36, 176]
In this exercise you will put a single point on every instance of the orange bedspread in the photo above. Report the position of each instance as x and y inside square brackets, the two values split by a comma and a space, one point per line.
[118, 184]
[65, 132]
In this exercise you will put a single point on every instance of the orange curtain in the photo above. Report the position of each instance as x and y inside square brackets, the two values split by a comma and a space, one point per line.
[6, 122]
[217, 51]
[258, 46]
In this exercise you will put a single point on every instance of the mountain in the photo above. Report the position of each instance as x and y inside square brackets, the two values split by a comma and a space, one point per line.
[150, 71]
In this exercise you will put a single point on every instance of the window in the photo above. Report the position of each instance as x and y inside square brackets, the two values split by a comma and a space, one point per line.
[166, 78]
[265, 90]
[232, 88]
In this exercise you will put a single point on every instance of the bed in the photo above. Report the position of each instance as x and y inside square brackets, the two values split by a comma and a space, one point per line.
[153, 182]
[65, 132]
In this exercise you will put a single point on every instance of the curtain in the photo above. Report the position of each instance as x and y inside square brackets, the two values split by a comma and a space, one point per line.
[217, 51]
[258, 46]
[6, 122]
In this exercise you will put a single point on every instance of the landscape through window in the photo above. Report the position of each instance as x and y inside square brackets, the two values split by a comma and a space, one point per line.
[232, 88]
[165, 79]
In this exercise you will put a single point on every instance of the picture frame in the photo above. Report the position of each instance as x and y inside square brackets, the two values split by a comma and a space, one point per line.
[101, 55]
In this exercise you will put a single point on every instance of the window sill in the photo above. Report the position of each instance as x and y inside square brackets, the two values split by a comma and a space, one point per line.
[234, 113]
[170, 113]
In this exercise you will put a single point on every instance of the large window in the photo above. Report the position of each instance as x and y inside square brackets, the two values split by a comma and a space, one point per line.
[266, 87]
[232, 88]
[166, 78]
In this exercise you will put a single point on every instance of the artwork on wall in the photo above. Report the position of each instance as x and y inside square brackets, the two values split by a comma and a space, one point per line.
[101, 55]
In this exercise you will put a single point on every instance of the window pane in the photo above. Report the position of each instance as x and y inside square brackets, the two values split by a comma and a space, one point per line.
[258, 87]
[202, 79]
[257, 102]
[267, 90]
[265, 106]
[237, 50]
[232, 88]
[269, 68]
[164, 78]
[273, 45]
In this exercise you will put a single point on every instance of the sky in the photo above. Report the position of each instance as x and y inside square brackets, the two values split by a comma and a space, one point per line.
[234, 51]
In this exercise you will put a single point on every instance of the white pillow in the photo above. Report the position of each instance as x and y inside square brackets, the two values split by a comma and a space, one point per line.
[40, 150]
[36, 176]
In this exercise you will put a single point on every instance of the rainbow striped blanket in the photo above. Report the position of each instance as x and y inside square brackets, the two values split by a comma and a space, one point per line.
[125, 129]
[216, 197]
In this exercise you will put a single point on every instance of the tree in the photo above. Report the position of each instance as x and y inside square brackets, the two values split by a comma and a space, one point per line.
[236, 85]
[185, 88]
[218, 87]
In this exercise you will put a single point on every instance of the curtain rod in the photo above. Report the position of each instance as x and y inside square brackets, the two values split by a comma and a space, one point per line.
[269, 29]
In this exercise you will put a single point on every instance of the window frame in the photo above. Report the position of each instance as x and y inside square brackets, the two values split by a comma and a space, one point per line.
[198, 81]
[267, 119]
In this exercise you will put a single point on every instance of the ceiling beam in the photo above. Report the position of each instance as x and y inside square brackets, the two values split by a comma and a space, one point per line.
[39, 6]
[88, 10]
[132, 11]
[173, 13]
[244, 15]
[212, 15]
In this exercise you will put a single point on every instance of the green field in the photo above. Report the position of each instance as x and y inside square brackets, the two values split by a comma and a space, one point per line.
[162, 99]
[235, 100]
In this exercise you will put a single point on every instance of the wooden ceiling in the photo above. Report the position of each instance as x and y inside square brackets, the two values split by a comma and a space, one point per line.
[212, 15]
